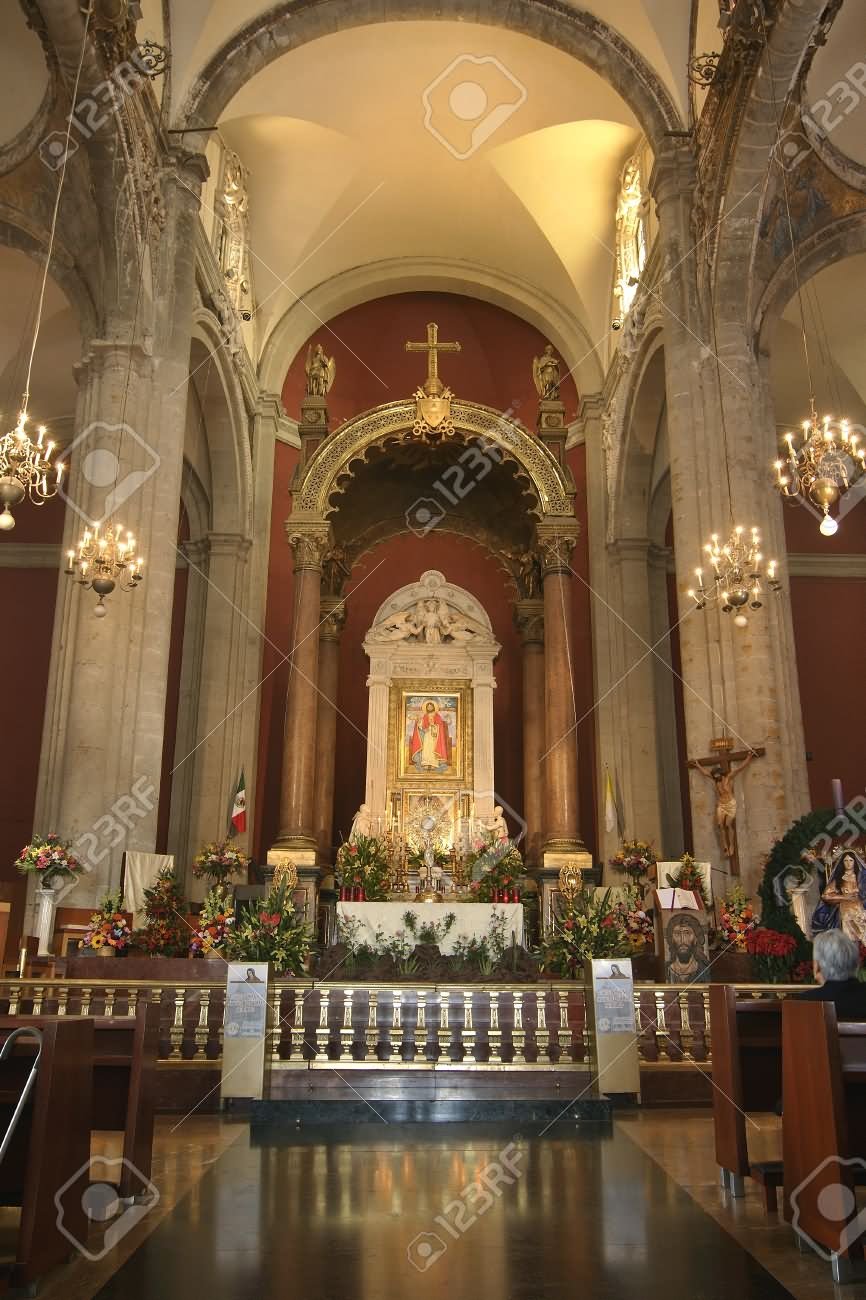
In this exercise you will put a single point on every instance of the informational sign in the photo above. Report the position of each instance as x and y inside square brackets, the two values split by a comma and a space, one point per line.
[246, 1029]
[614, 997]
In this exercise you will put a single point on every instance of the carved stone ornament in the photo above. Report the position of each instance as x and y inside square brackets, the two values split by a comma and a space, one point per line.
[431, 612]
[310, 544]
[556, 553]
[333, 620]
[529, 620]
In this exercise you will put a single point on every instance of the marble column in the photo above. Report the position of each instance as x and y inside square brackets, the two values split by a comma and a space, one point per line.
[105, 711]
[562, 840]
[529, 617]
[333, 616]
[309, 542]
[739, 681]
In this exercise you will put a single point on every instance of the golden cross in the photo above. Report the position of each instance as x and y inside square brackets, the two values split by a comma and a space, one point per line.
[433, 347]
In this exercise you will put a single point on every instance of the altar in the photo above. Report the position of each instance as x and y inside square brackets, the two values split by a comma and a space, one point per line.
[473, 920]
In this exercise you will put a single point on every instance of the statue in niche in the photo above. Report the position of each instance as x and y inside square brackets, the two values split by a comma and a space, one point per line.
[545, 373]
[320, 371]
[528, 574]
[843, 900]
[335, 569]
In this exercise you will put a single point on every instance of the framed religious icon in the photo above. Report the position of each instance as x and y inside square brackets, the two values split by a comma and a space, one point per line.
[431, 734]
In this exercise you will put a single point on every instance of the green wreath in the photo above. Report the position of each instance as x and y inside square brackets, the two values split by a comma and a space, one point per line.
[786, 852]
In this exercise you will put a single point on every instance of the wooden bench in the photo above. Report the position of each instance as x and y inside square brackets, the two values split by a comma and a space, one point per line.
[747, 1076]
[124, 1061]
[824, 1131]
[50, 1148]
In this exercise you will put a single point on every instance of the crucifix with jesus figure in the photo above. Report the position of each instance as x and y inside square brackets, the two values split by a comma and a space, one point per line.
[721, 767]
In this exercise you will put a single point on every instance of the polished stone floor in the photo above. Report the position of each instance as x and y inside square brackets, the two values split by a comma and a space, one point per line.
[449, 1211]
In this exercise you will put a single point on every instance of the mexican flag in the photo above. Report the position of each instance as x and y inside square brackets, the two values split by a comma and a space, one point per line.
[239, 808]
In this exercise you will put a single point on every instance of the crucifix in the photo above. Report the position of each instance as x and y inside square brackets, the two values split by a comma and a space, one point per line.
[433, 385]
[722, 766]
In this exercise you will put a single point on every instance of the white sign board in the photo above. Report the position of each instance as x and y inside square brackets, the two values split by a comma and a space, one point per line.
[613, 987]
[246, 1028]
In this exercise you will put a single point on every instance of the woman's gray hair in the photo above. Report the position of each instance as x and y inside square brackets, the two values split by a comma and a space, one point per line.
[838, 957]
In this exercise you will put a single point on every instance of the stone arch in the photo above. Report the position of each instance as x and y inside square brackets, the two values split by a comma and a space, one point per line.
[62, 271]
[319, 480]
[292, 23]
[392, 276]
[225, 426]
[642, 411]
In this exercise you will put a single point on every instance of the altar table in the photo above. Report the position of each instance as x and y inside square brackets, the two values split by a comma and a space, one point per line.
[473, 919]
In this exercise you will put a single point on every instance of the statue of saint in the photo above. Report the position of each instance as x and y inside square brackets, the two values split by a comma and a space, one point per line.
[335, 569]
[726, 802]
[842, 901]
[528, 574]
[497, 825]
[362, 823]
[320, 371]
[545, 373]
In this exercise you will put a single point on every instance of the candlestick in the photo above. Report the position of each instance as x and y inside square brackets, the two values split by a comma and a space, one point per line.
[838, 797]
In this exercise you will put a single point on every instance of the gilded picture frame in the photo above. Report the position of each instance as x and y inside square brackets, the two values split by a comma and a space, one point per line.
[430, 733]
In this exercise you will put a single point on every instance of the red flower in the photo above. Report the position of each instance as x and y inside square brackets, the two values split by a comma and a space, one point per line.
[569, 925]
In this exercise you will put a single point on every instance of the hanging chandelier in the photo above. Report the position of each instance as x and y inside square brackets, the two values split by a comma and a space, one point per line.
[827, 463]
[102, 563]
[736, 574]
[26, 470]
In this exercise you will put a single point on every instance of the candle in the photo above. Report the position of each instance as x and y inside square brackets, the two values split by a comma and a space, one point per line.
[838, 798]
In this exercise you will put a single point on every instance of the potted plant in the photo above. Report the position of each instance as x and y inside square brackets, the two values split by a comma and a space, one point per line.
[586, 927]
[269, 930]
[215, 918]
[108, 933]
[363, 870]
[220, 861]
[50, 859]
[636, 859]
[737, 919]
[165, 933]
[495, 866]
[772, 954]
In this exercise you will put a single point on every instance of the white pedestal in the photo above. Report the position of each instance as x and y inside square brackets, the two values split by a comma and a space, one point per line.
[47, 905]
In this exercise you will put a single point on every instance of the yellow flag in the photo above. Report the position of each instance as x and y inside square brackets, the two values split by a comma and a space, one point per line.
[610, 817]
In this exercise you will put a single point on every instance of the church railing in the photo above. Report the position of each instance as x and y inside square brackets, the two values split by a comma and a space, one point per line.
[375, 1026]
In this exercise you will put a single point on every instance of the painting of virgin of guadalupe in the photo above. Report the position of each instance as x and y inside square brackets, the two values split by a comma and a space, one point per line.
[843, 900]
[431, 736]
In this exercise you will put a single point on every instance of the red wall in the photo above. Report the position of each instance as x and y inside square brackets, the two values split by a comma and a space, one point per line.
[494, 368]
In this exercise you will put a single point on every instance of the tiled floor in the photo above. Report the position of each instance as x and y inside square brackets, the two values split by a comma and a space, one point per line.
[457, 1211]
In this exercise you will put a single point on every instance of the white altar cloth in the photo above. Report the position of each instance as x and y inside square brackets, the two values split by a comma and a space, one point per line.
[473, 919]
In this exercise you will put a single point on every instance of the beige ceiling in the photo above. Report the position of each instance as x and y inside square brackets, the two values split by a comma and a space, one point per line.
[836, 86]
[59, 347]
[23, 73]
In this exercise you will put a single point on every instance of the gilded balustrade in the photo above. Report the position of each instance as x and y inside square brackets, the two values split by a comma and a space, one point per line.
[432, 1026]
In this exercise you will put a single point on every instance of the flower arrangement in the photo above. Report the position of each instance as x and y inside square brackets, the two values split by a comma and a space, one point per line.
[737, 919]
[362, 865]
[587, 927]
[220, 861]
[165, 933]
[636, 859]
[494, 866]
[636, 922]
[215, 917]
[270, 930]
[108, 927]
[772, 953]
[48, 857]
[691, 877]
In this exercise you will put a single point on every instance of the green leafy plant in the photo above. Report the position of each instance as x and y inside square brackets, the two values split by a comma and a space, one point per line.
[165, 932]
[270, 930]
[429, 931]
[786, 852]
[363, 862]
[586, 927]
[493, 865]
[690, 877]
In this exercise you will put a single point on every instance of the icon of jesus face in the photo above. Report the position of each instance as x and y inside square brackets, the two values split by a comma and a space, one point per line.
[430, 707]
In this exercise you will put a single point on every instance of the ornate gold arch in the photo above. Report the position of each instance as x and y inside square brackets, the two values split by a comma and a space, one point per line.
[319, 477]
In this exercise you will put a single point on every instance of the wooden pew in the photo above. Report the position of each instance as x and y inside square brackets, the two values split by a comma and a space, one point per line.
[124, 1060]
[824, 1131]
[50, 1147]
[747, 1076]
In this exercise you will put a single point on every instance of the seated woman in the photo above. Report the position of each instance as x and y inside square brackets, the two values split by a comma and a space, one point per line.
[842, 901]
[835, 961]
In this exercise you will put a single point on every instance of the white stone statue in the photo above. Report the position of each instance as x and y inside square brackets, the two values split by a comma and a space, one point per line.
[430, 620]
[497, 825]
[362, 823]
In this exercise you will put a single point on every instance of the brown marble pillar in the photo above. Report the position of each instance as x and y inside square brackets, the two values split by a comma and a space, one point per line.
[562, 835]
[333, 616]
[309, 542]
[529, 617]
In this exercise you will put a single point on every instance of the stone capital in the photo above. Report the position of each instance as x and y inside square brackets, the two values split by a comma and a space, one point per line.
[674, 174]
[188, 169]
[333, 619]
[556, 540]
[310, 540]
[105, 354]
[529, 621]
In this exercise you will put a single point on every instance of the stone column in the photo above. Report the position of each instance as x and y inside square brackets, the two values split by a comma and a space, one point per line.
[529, 617]
[562, 840]
[378, 697]
[333, 617]
[742, 681]
[309, 541]
[105, 711]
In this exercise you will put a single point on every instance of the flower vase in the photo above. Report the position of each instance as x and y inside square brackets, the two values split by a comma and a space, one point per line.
[105, 951]
[213, 954]
[47, 899]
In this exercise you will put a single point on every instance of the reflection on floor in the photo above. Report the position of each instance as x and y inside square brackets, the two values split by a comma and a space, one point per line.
[456, 1211]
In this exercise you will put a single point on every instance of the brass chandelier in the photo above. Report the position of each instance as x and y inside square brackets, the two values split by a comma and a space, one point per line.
[826, 464]
[736, 574]
[26, 470]
[102, 563]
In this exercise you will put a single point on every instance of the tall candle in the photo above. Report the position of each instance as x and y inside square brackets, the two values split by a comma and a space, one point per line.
[838, 797]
